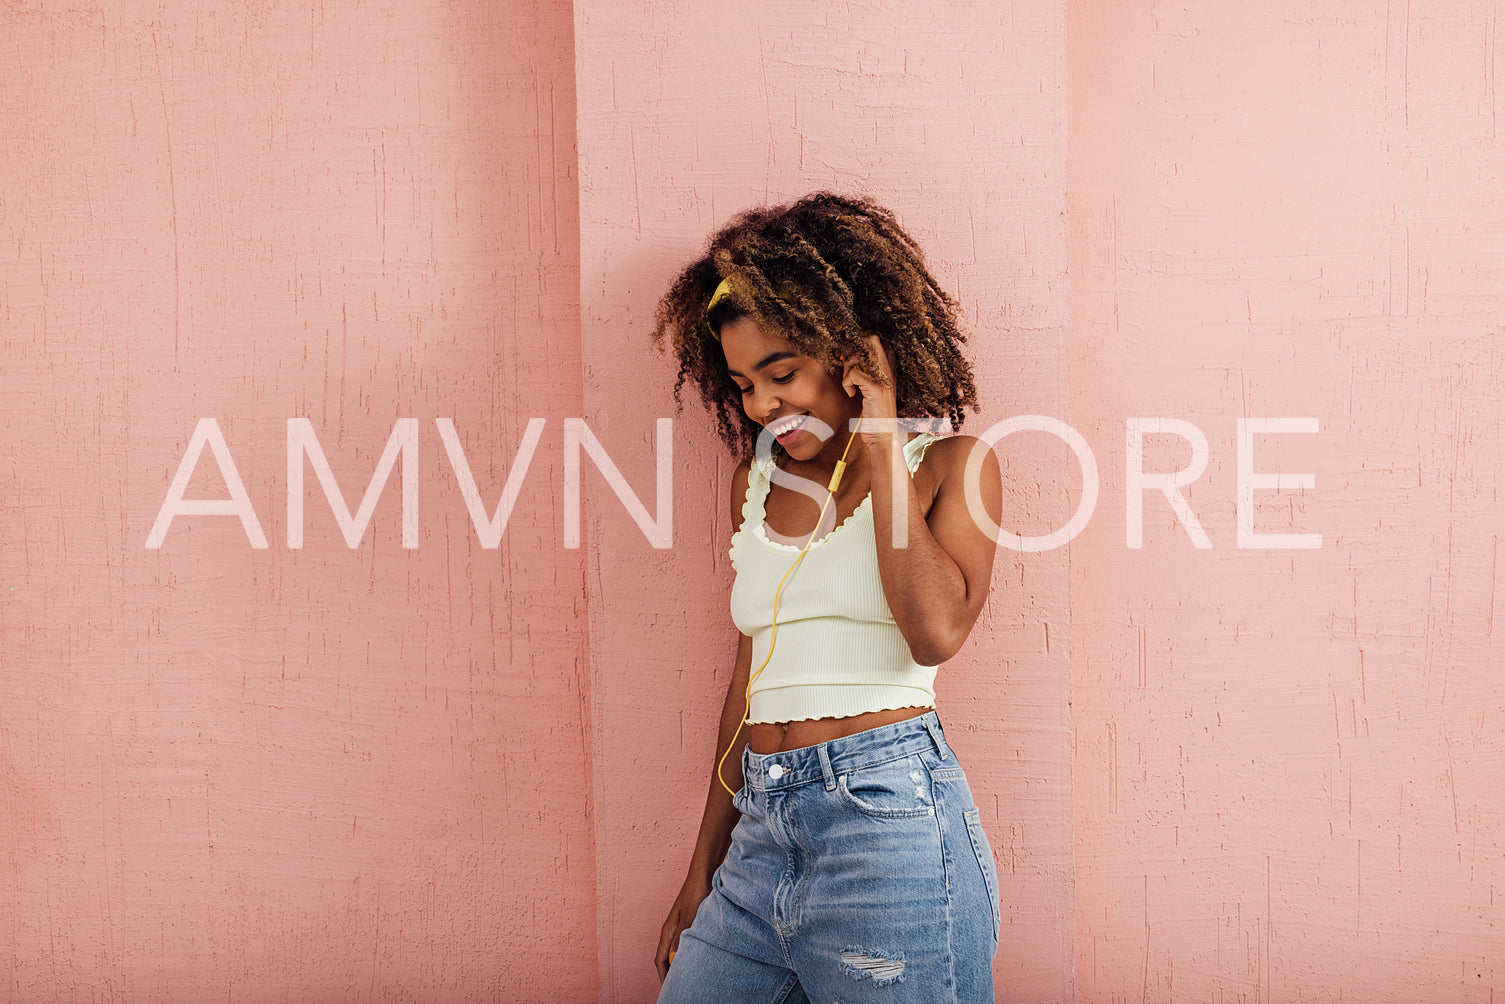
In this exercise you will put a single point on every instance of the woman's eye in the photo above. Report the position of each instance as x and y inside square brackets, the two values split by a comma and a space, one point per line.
[744, 391]
[785, 378]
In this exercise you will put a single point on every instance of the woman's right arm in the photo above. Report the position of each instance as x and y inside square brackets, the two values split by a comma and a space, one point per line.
[720, 817]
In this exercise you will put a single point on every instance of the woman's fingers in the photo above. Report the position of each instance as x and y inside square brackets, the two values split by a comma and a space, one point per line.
[668, 940]
[853, 379]
[849, 381]
[883, 363]
[877, 390]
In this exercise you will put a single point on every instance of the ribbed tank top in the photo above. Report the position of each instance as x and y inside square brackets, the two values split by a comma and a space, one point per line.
[838, 652]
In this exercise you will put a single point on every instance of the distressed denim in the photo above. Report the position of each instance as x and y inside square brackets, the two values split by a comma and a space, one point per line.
[859, 871]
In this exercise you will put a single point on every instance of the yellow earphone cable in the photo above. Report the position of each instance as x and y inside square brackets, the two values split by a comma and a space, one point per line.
[841, 467]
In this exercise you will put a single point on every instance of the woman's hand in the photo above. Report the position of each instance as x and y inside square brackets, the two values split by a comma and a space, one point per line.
[877, 391]
[681, 916]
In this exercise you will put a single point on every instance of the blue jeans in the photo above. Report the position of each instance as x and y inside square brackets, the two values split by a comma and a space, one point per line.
[858, 872]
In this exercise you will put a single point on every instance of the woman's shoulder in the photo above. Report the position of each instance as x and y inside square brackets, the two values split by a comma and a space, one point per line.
[945, 459]
[950, 449]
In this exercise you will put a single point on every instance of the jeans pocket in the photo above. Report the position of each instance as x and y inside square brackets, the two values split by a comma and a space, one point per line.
[898, 789]
[985, 862]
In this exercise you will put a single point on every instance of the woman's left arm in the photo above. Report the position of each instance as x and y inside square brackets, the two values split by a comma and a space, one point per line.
[936, 570]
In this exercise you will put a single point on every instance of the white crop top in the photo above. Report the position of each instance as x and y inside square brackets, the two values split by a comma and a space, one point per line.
[838, 652]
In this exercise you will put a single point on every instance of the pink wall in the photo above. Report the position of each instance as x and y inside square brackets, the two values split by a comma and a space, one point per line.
[319, 774]
[455, 772]
[706, 112]
[1288, 763]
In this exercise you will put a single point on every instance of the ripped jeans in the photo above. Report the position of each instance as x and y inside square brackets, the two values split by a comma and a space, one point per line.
[859, 871]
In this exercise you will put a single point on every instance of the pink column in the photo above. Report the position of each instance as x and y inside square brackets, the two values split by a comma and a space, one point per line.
[1287, 765]
[954, 117]
[326, 773]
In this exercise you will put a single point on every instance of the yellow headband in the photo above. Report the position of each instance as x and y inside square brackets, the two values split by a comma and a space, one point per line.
[723, 291]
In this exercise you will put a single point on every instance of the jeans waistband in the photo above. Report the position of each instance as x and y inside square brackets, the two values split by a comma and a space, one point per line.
[822, 762]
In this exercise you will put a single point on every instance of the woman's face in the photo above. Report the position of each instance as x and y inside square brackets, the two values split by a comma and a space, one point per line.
[781, 389]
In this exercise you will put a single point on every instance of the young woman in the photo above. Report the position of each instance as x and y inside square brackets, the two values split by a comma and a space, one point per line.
[840, 855]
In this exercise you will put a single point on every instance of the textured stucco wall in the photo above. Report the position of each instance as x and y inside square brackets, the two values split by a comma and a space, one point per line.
[1287, 763]
[453, 772]
[957, 123]
[324, 773]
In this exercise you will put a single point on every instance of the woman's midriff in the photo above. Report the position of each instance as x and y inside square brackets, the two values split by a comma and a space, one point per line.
[777, 737]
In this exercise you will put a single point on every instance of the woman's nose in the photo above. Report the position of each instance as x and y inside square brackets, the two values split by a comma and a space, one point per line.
[765, 405]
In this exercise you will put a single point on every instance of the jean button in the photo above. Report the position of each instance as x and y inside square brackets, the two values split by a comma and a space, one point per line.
[777, 771]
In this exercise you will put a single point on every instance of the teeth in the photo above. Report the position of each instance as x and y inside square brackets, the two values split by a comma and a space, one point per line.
[784, 425]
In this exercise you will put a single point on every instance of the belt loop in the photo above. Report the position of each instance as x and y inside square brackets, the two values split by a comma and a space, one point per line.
[933, 726]
[755, 779]
[825, 766]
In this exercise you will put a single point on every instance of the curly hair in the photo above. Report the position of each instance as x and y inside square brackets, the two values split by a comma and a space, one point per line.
[824, 272]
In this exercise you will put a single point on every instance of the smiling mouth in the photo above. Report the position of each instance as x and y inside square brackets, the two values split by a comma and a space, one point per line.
[785, 426]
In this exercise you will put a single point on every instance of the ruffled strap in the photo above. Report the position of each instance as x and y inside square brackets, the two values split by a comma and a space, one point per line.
[758, 483]
[914, 450]
[759, 480]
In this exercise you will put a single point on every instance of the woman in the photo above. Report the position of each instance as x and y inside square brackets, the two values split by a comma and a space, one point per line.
[854, 866]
